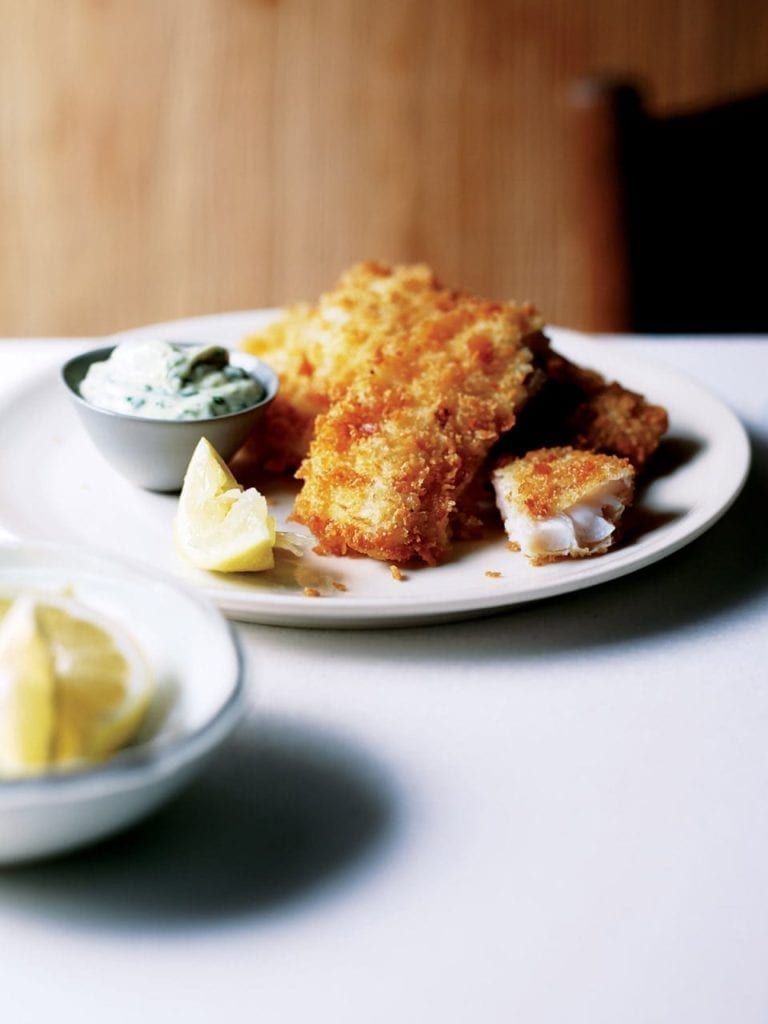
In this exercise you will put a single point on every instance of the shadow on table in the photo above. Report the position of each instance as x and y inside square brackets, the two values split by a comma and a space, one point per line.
[719, 574]
[281, 812]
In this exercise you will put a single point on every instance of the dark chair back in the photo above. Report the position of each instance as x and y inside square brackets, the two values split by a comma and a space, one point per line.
[689, 198]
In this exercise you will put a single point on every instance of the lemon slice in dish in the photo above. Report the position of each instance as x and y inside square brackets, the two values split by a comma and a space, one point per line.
[27, 697]
[219, 525]
[103, 684]
[74, 687]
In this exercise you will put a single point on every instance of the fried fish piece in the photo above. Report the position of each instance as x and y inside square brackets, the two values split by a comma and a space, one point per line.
[616, 420]
[319, 350]
[576, 406]
[396, 450]
[563, 502]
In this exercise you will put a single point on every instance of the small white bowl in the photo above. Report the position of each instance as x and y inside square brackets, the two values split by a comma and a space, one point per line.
[199, 672]
[155, 453]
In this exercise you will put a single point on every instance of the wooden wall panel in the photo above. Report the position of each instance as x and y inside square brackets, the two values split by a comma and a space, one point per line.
[162, 158]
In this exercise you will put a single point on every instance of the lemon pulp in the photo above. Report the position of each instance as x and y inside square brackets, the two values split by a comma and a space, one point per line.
[73, 687]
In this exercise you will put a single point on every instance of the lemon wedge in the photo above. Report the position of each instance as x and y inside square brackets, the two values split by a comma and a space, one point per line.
[74, 687]
[219, 525]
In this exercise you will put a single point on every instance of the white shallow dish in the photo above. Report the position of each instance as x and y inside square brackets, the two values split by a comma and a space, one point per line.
[55, 487]
[198, 668]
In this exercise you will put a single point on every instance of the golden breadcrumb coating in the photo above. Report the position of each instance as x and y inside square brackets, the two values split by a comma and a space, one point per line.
[318, 350]
[550, 481]
[563, 502]
[396, 396]
[621, 422]
[402, 441]
[578, 407]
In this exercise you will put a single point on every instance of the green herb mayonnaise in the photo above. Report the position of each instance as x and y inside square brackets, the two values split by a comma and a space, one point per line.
[161, 380]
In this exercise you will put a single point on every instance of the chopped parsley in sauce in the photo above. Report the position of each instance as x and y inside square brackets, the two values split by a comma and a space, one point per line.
[161, 380]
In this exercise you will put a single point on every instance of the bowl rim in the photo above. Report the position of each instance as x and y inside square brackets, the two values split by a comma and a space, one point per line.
[158, 756]
[256, 367]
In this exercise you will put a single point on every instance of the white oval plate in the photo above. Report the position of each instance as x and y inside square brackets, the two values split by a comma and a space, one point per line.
[55, 487]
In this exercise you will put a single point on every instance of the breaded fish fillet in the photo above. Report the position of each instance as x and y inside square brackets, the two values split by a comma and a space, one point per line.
[578, 407]
[616, 420]
[398, 447]
[562, 502]
[394, 389]
[319, 350]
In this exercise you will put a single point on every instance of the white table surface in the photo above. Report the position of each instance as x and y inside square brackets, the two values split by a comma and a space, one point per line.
[555, 815]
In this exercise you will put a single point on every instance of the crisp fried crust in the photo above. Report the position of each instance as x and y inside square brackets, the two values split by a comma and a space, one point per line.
[607, 417]
[578, 407]
[563, 502]
[550, 481]
[621, 422]
[393, 390]
[399, 446]
[319, 350]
